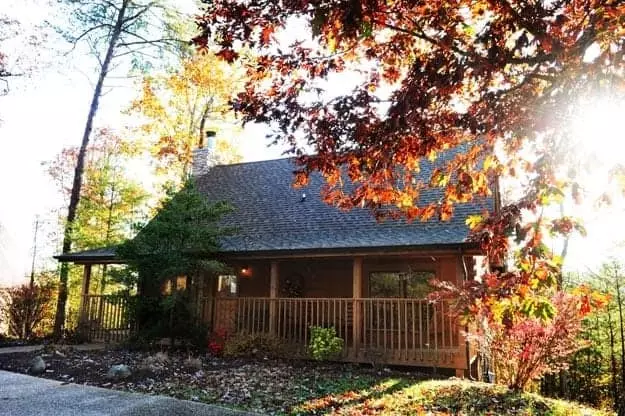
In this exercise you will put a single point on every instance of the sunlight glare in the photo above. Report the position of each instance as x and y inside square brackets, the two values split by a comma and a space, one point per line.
[599, 131]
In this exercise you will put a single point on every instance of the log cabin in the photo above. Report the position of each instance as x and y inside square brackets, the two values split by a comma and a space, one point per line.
[299, 262]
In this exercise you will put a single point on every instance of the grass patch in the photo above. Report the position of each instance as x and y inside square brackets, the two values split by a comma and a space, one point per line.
[440, 397]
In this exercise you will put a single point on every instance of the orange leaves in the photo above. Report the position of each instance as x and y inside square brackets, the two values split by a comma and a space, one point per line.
[496, 89]
[428, 212]
[589, 299]
[265, 34]
[301, 180]
[391, 74]
[446, 211]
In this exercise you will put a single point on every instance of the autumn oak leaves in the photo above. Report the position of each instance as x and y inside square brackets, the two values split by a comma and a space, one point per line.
[491, 76]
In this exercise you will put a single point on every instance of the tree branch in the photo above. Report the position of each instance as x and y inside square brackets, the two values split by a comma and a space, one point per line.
[139, 13]
[85, 33]
[151, 42]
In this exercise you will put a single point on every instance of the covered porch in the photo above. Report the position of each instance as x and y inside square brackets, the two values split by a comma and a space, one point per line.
[375, 301]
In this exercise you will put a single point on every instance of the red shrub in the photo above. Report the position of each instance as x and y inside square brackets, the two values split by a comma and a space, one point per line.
[523, 349]
[217, 341]
[26, 309]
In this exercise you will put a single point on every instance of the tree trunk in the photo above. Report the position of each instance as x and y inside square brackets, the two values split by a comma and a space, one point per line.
[620, 316]
[107, 235]
[59, 320]
[612, 358]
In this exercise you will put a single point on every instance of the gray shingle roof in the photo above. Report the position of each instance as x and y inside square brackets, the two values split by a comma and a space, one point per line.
[271, 216]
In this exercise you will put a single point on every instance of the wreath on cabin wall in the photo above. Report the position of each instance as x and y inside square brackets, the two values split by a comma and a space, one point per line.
[292, 286]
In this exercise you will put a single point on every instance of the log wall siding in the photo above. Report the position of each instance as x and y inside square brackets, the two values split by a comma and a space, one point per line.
[333, 277]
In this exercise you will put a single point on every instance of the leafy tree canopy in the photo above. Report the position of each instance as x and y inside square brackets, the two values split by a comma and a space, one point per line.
[111, 201]
[501, 77]
[182, 104]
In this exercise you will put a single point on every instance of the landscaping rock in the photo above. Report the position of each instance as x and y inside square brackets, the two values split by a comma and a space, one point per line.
[37, 365]
[156, 363]
[118, 372]
[161, 358]
[193, 364]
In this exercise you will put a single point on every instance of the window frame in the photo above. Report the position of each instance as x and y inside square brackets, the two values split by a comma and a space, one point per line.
[229, 287]
[402, 286]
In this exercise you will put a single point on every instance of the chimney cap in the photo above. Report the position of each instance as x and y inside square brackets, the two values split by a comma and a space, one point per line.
[208, 136]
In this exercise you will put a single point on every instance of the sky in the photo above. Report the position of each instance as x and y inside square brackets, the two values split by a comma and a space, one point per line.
[46, 112]
[39, 117]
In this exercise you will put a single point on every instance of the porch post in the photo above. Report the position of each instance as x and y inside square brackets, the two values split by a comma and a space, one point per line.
[273, 295]
[84, 291]
[357, 306]
[199, 293]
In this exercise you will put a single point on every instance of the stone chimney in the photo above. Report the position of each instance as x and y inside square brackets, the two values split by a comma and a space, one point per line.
[204, 156]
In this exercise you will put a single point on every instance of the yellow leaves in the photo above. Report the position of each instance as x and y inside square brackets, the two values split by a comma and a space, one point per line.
[541, 274]
[473, 221]
[490, 162]
[405, 200]
[331, 42]
[178, 105]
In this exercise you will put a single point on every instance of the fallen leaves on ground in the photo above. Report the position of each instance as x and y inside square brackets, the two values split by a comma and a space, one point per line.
[294, 387]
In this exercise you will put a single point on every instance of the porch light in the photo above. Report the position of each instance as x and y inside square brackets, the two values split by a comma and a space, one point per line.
[246, 271]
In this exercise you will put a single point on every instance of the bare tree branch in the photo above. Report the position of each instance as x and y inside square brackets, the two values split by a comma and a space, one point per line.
[85, 33]
[151, 42]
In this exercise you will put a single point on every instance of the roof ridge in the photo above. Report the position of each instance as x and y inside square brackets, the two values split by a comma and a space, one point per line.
[225, 165]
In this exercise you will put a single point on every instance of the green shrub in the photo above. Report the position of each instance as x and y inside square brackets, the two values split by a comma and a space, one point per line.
[243, 344]
[172, 317]
[324, 344]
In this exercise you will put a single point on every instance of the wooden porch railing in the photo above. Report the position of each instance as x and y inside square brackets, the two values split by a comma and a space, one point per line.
[400, 331]
[105, 318]
[411, 330]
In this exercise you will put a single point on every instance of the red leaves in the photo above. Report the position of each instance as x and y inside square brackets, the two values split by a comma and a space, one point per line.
[217, 341]
[227, 55]
[585, 308]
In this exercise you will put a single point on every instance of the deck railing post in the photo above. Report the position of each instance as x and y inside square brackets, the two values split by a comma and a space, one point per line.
[357, 304]
[273, 295]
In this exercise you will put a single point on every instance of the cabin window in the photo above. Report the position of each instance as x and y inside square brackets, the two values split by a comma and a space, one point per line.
[174, 284]
[227, 285]
[413, 284]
